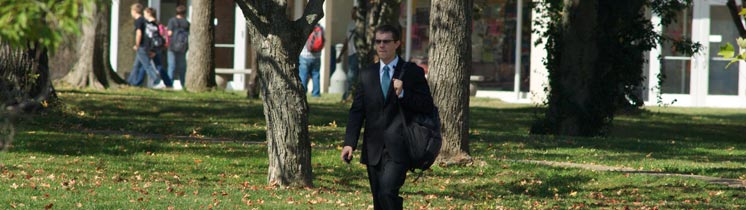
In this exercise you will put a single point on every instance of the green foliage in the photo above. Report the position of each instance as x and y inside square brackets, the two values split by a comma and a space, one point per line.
[729, 52]
[45, 22]
[618, 74]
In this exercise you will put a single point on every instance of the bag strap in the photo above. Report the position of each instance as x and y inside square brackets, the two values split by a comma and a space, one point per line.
[401, 111]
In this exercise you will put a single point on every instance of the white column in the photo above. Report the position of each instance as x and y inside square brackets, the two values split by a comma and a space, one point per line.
[114, 34]
[239, 51]
[189, 13]
[519, 27]
[156, 4]
[539, 74]
[700, 61]
[299, 5]
[654, 65]
[408, 34]
[325, 22]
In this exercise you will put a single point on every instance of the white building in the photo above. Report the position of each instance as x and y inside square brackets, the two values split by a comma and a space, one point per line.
[698, 81]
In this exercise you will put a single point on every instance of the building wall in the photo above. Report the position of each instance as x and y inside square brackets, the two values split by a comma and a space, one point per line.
[340, 17]
[126, 37]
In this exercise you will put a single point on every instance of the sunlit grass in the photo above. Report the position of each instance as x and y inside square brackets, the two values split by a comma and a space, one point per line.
[134, 148]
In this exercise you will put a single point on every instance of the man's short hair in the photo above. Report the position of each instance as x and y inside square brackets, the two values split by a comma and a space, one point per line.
[151, 11]
[389, 29]
[181, 10]
[137, 7]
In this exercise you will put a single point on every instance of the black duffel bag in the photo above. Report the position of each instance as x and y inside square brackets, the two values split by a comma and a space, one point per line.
[422, 135]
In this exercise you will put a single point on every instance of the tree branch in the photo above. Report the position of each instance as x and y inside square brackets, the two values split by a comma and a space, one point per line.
[313, 12]
[257, 23]
[734, 9]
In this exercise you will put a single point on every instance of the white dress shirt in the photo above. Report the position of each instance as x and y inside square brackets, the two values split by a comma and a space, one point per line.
[391, 66]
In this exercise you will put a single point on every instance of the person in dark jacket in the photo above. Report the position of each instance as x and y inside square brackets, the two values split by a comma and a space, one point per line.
[376, 105]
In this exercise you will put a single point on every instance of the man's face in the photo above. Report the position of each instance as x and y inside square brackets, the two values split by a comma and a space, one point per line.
[134, 13]
[386, 45]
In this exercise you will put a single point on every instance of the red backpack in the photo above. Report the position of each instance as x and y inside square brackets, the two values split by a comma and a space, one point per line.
[164, 33]
[315, 40]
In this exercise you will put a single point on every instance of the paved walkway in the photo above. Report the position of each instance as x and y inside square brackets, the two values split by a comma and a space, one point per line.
[175, 137]
[735, 183]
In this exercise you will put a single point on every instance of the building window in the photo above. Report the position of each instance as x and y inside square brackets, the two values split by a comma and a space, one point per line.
[493, 41]
[722, 81]
[675, 65]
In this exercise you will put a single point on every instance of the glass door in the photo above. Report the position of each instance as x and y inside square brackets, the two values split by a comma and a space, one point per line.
[675, 67]
[725, 86]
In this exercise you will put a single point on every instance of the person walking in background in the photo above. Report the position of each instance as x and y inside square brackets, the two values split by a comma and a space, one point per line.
[376, 105]
[352, 58]
[178, 33]
[310, 60]
[157, 45]
[143, 64]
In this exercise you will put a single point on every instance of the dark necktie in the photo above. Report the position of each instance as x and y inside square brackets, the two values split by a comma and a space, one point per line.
[385, 81]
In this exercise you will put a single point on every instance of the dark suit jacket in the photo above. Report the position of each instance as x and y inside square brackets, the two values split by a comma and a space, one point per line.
[383, 126]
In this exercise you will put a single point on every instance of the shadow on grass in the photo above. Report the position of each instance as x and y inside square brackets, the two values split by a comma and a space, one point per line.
[667, 135]
[84, 145]
[232, 116]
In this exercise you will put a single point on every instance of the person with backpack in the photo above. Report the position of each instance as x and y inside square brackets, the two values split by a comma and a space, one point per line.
[157, 45]
[352, 57]
[310, 60]
[381, 93]
[178, 42]
[143, 63]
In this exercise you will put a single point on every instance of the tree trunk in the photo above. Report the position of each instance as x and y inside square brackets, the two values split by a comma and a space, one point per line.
[450, 65]
[200, 75]
[737, 19]
[24, 85]
[252, 89]
[93, 68]
[278, 44]
[381, 12]
[576, 66]
[595, 65]
[24, 74]
[371, 14]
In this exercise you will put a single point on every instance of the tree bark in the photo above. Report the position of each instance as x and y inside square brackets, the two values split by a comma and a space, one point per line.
[594, 67]
[252, 86]
[371, 14]
[567, 101]
[93, 68]
[737, 19]
[24, 85]
[278, 42]
[450, 66]
[381, 12]
[200, 75]
[24, 74]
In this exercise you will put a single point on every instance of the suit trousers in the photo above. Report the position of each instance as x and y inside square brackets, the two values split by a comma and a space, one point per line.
[386, 178]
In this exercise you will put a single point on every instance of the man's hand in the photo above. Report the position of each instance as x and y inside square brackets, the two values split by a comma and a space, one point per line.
[134, 47]
[398, 86]
[347, 154]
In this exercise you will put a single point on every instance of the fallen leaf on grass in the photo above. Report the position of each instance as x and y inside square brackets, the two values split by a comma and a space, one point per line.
[333, 124]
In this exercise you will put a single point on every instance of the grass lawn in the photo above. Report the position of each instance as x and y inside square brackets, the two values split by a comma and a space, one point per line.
[125, 149]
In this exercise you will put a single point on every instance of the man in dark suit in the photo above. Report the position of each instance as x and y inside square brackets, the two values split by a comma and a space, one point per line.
[376, 105]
